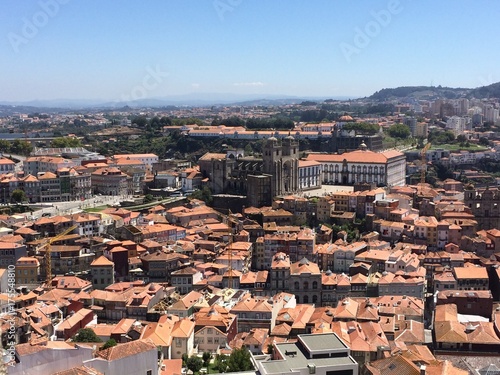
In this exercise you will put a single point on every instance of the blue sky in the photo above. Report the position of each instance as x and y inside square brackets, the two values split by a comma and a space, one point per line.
[90, 49]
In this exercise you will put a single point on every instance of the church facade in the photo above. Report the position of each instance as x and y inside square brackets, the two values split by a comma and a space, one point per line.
[259, 178]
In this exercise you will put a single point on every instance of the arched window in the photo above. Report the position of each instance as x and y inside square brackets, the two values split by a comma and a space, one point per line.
[315, 285]
[315, 298]
[296, 285]
[306, 285]
[305, 299]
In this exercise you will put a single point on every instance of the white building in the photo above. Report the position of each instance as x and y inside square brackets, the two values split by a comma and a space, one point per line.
[320, 354]
[309, 174]
[456, 124]
[490, 113]
[147, 159]
[362, 166]
[131, 358]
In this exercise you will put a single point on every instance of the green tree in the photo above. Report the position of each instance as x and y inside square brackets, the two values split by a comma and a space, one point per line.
[19, 147]
[194, 363]
[400, 131]
[62, 142]
[206, 358]
[239, 360]
[86, 335]
[204, 194]
[362, 127]
[461, 139]
[140, 121]
[18, 196]
[148, 198]
[110, 343]
[184, 357]
[483, 141]
[220, 363]
[4, 146]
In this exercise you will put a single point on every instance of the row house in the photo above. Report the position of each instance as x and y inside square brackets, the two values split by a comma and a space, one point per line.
[185, 279]
[367, 200]
[256, 282]
[111, 181]
[162, 233]
[400, 261]
[392, 230]
[301, 207]
[88, 224]
[280, 272]
[135, 300]
[280, 216]
[172, 336]
[67, 258]
[471, 278]
[338, 256]
[391, 284]
[64, 184]
[36, 164]
[426, 231]
[295, 245]
[253, 312]
[160, 264]
[10, 253]
[186, 305]
[195, 210]
[234, 259]
[305, 281]
[334, 288]
[6, 166]
[214, 328]
[103, 272]
[324, 208]
[444, 280]
[387, 209]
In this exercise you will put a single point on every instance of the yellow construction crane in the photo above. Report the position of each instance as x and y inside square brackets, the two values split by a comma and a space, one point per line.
[423, 154]
[230, 247]
[48, 251]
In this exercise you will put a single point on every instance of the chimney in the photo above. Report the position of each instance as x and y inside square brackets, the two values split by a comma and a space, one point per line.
[423, 370]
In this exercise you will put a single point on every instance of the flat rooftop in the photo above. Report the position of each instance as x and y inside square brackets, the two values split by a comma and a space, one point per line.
[296, 357]
[323, 342]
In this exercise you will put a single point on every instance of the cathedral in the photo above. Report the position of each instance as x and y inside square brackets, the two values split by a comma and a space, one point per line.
[275, 173]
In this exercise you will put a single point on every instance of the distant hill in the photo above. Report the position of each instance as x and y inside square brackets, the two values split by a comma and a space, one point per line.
[490, 91]
[431, 92]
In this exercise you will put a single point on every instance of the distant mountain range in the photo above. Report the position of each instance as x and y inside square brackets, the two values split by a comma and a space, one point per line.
[189, 100]
[432, 92]
[228, 99]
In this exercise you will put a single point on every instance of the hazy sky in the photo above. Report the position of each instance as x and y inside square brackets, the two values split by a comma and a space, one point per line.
[115, 50]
